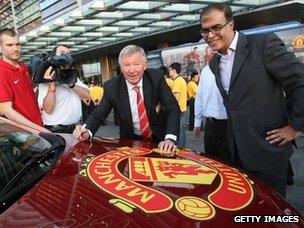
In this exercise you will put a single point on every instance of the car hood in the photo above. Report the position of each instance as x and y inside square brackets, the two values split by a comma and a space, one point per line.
[120, 183]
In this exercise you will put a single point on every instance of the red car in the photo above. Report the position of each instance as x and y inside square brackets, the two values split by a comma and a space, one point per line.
[49, 180]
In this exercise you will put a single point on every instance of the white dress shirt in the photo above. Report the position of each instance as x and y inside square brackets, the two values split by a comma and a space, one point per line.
[226, 63]
[208, 100]
[134, 108]
[133, 105]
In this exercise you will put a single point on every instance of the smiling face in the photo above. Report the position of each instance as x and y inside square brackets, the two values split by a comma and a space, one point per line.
[221, 39]
[10, 48]
[133, 67]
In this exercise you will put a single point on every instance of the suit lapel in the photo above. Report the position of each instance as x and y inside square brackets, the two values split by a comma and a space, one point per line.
[241, 54]
[124, 101]
[147, 91]
[214, 66]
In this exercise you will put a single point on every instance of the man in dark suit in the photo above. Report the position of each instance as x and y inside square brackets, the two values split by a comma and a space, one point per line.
[121, 94]
[251, 72]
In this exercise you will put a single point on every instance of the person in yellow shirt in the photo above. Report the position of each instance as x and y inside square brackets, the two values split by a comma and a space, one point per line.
[179, 90]
[192, 87]
[96, 92]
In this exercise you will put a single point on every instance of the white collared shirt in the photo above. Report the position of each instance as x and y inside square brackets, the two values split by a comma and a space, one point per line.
[133, 105]
[226, 63]
[67, 109]
[134, 109]
[208, 100]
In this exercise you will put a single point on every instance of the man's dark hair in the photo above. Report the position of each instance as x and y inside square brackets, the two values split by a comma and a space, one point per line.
[59, 45]
[164, 71]
[226, 9]
[193, 74]
[8, 32]
[176, 66]
[95, 83]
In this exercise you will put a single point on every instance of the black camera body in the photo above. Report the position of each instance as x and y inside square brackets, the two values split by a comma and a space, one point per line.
[64, 74]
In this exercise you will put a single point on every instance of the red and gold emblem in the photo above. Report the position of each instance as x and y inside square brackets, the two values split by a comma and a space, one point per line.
[233, 193]
[170, 170]
[195, 208]
[298, 42]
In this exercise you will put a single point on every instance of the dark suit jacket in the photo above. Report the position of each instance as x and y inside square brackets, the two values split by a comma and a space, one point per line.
[161, 106]
[255, 103]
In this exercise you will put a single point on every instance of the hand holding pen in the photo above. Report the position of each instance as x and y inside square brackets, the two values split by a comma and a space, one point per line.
[81, 133]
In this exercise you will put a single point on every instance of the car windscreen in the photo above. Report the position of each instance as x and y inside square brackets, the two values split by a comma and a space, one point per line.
[24, 159]
[16, 149]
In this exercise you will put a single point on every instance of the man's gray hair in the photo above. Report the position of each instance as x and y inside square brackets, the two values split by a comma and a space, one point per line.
[130, 50]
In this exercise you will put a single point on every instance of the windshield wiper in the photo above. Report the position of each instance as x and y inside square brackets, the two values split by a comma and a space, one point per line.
[29, 165]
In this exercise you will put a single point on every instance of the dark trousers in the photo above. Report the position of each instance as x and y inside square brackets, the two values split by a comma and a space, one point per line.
[191, 113]
[290, 173]
[215, 139]
[275, 177]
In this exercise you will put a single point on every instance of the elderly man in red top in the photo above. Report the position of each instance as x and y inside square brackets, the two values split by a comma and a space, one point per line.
[17, 98]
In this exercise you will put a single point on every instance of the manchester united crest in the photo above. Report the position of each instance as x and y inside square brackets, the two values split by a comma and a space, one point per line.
[129, 192]
[169, 170]
[298, 42]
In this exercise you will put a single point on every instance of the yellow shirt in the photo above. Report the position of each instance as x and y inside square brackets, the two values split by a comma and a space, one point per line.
[96, 93]
[192, 87]
[180, 87]
[169, 82]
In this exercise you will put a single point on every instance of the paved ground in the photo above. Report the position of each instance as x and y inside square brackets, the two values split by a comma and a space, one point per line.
[295, 193]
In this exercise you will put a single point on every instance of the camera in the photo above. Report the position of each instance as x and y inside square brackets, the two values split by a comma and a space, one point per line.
[60, 64]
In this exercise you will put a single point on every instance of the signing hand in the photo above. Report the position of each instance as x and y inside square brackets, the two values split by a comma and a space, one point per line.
[81, 133]
[282, 135]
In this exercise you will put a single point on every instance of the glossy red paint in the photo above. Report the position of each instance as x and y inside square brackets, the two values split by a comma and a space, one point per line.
[68, 197]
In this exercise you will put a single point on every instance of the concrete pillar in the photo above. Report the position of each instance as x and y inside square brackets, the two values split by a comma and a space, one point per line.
[106, 68]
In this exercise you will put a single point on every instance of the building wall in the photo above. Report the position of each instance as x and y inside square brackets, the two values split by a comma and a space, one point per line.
[51, 9]
[27, 15]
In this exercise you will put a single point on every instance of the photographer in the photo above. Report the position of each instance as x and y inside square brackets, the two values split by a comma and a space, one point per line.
[61, 103]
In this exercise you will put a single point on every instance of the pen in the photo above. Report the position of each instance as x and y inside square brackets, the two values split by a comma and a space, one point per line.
[82, 128]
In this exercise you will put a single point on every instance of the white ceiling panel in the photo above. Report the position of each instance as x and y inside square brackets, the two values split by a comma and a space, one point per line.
[104, 22]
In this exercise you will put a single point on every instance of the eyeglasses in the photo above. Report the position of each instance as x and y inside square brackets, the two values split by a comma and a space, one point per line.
[215, 30]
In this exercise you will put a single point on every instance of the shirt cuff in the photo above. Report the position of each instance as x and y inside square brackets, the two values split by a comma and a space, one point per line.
[197, 122]
[91, 135]
[170, 136]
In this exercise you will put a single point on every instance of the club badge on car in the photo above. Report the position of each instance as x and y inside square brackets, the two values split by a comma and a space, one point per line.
[234, 191]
